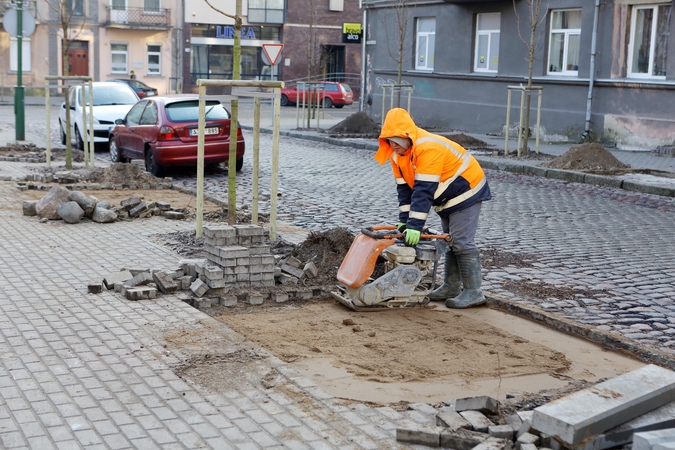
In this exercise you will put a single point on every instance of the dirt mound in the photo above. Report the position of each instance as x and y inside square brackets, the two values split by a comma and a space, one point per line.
[588, 158]
[466, 141]
[358, 123]
[121, 173]
[326, 250]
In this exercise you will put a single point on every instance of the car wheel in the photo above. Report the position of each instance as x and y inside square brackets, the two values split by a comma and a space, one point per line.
[115, 152]
[240, 164]
[338, 106]
[78, 138]
[284, 100]
[151, 165]
[327, 102]
[62, 133]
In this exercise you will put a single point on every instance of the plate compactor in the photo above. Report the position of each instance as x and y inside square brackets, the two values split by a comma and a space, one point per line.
[404, 269]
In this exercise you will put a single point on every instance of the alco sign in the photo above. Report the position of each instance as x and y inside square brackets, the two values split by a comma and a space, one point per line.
[351, 33]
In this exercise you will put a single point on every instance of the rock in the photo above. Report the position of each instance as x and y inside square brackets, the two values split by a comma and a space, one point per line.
[48, 206]
[29, 208]
[86, 203]
[102, 215]
[70, 212]
[104, 204]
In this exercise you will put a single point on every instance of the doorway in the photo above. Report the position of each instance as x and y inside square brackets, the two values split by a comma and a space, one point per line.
[78, 59]
[333, 62]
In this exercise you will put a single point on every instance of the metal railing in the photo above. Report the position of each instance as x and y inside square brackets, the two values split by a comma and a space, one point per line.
[138, 17]
[194, 76]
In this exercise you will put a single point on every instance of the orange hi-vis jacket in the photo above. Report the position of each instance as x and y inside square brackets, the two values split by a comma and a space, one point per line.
[434, 171]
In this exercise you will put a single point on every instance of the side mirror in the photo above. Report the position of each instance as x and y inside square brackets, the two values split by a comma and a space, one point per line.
[119, 122]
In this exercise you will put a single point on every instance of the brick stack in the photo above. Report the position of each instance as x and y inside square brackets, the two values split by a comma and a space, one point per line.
[241, 254]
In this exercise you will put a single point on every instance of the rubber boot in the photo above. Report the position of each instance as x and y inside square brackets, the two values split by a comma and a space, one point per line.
[452, 284]
[469, 269]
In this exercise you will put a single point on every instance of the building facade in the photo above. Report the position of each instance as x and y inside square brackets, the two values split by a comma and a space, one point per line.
[606, 67]
[108, 40]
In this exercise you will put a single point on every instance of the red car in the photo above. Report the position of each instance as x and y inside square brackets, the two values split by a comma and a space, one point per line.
[335, 94]
[164, 132]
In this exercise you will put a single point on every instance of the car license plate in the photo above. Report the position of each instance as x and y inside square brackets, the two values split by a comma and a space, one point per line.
[195, 131]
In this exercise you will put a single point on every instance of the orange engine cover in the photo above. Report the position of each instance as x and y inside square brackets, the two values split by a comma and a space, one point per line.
[360, 261]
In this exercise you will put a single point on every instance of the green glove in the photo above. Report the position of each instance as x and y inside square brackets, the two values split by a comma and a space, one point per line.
[412, 237]
[400, 226]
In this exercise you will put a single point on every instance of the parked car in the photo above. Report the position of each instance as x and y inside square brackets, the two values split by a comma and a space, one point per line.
[112, 101]
[141, 89]
[336, 94]
[164, 132]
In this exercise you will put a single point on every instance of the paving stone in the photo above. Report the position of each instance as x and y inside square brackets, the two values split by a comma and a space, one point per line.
[420, 435]
[501, 431]
[199, 288]
[645, 440]
[291, 270]
[451, 419]
[592, 411]
[140, 293]
[279, 297]
[141, 279]
[254, 298]
[228, 301]
[95, 287]
[477, 420]
[484, 404]
[165, 283]
[462, 439]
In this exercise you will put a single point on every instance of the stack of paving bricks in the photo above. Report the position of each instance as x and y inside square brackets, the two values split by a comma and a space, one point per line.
[241, 254]
[614, 413]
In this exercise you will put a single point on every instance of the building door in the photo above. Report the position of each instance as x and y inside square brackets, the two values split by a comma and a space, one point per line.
[78, 59]
[333, 62]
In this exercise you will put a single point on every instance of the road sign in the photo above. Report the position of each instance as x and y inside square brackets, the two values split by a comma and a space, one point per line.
[271, 52]
[11, 24]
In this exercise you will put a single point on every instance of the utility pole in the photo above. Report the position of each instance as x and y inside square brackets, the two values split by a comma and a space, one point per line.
[19, 99]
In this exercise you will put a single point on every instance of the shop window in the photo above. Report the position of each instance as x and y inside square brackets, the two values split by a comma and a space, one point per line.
[563, 55]
[119, 58]
[266, 11]
[14, 56]
[154, 59]
[426, 42]
[648, 46]
[487, 42]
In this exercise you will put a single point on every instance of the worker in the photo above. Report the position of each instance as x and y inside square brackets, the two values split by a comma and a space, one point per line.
[432, 171]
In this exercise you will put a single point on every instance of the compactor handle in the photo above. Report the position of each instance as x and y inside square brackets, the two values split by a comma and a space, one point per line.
[381, 232]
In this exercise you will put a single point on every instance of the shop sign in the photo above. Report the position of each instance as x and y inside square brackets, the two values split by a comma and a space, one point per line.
[227, 32]
[351, 33]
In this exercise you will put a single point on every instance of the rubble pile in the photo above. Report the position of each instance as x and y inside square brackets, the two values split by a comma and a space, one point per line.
[637, 407]
[239, 267]
[72, 206]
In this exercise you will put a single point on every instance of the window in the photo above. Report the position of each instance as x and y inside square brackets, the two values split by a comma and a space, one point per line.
[426, 42]
[14, 55]
[266, 11]
[649, 41]
[336, 5]
[119, 57]
[77, 7]
[151, 5]
[487, 42]
[154, 59]
[563, 55]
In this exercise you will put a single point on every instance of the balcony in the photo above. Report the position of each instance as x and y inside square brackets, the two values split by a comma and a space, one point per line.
[138, 18]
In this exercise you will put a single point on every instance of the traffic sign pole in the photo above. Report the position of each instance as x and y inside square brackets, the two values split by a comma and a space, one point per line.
[19, 99]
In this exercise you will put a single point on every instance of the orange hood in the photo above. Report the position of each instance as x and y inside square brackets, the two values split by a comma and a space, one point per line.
[397, 123]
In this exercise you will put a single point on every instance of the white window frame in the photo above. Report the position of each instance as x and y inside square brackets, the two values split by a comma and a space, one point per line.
[119, 52]
[491, 34]
[631, 45]
[567, 32]
[159, 63]
[26, 56]
[426, 62]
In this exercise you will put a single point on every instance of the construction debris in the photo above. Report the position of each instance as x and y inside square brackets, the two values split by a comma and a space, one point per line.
[637, 407]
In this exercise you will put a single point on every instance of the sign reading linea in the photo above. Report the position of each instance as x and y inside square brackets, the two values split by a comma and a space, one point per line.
[351, 33]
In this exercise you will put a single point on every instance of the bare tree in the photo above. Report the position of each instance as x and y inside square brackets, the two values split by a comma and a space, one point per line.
[401, 52]
[234, 120]
[71, 29]
[534, 10]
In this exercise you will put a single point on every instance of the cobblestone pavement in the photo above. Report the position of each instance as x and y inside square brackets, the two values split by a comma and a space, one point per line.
[614, 248]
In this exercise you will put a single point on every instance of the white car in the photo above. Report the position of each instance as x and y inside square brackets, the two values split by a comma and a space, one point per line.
[112, 101]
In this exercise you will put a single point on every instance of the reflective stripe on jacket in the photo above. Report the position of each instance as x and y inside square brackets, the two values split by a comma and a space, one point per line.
[434, 172]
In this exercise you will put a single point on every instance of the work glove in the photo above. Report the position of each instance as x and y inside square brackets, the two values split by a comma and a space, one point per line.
[412, 237]
[400, 226]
